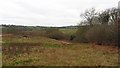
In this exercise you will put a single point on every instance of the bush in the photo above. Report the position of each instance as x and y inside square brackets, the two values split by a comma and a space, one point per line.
[80, 34]
[54, 33]
[102, 34]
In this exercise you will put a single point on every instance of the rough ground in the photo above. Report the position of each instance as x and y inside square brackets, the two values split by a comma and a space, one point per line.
[50, 52]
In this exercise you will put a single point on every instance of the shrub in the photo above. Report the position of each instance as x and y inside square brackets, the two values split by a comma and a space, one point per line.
[54, 33]
[80, 34]
[102, 34]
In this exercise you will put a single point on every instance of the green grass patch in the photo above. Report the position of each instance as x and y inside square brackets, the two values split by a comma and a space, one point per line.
[68, 31]
[22, 62]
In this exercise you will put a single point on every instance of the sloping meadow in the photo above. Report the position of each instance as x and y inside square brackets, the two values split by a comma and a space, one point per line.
[42, 51]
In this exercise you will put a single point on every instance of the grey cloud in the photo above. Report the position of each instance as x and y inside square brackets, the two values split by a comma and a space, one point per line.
[48, 12]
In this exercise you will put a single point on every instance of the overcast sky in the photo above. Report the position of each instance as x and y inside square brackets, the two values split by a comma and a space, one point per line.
[48, 12]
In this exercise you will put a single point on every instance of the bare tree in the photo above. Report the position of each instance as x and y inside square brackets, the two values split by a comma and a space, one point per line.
[89, 15]
[113, 15]
[104, 17]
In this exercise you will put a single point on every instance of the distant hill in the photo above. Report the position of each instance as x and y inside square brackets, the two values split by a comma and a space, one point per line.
[43, 27]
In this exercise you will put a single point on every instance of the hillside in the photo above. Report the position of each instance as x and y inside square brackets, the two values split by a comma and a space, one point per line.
[50, 52]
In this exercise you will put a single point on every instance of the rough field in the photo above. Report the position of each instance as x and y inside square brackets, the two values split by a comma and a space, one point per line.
[34, 51]
[0, 50]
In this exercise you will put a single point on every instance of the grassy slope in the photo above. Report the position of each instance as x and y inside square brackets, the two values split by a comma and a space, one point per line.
[45, 51]
[0, 59]
[0, 51]
[68, 31]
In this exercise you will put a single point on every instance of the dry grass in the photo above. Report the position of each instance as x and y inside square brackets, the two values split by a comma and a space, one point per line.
[0, 59]
[49, 52]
